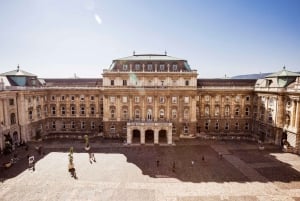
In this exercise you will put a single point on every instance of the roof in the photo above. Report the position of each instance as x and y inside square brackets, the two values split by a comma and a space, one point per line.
[150, 57]
[72, 82]
[284, 73]
[225, 82]
[18, 72]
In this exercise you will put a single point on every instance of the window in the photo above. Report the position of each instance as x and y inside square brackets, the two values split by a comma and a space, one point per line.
[149, 67]
[187, 83]
[72, 124]
[237, 99]
[112, 113]
[92, 110]
[53, 124]
[63, 110]
[38, 111]
[237, 126]
[137, 67]
[237, 111]
[226, 126]
[82, 125]
[125, 113]
[185, 130]
[112, 82]
[37, 99]
[174, 82]
[174, 67]
[125, 67]
[247, 111]
[227, 99]
[149, 99]
[186, 99]
[217, 98]
[262, 113]
[124, 82]
[112, 129]
[136, 99]
[11, 101]
[137, 114]
[207, 98]
[174, 113]
[82, 110]
[174, 100]
[62, 98]
[63, 125]
[270, 115]
[29, 99]
[81, 97]
[73, 110]
[217, 126]
[101, 111]
[227, 110]
[217, 110]
[246, 126]
[92, 125]
[46, 110]
[149, 114]
[12, 118]
[162, 99]
[53, 98]
[53, 110]
[206, 126]
[173, 130]
[72, 98]
[206, 110]
[247, 98]
[186, 114]
[112, 99]
[162, 82]
[124, 99]
[162, 67]
[161, 113]
[92, 98]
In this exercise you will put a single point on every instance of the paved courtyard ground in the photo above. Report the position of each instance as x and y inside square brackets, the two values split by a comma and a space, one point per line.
[131, 173]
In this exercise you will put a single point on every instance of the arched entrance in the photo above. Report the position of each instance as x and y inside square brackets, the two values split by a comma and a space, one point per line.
[149, 136]
[162, 136]
[136, 136]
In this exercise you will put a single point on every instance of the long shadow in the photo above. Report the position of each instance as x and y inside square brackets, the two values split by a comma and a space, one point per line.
[189, 163]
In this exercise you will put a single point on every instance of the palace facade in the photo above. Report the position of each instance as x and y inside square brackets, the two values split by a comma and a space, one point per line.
[151, 99]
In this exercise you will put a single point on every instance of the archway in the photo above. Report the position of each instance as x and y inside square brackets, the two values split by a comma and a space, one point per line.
[162, 136]
[149, 136]
[136, 136]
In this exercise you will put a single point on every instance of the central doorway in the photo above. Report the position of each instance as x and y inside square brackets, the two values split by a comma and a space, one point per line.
[149, 136]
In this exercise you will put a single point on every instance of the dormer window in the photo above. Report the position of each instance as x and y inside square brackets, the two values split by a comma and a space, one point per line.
[149, 67]
[137, 67]
[162, 67]
[125, 67]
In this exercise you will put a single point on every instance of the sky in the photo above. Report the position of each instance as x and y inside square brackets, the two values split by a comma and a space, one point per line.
[61, 38]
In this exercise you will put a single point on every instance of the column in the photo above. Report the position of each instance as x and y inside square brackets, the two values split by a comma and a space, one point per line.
[129, 136]
[294, 114]
[297, 119]
[142, 132]
[169, 134]
[156, 136]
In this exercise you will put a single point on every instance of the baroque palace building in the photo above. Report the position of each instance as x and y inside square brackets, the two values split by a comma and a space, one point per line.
[151, 99]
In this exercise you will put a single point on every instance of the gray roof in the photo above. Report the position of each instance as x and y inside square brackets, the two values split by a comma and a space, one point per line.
[18, 72]
[284, 73]
[149, 57]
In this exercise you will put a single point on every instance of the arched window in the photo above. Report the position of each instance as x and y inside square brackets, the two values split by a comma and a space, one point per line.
[206, 110]
[186, 114]
[12, 118]
[125, 113]
[149, 114]
[227, 110]
[161, 113]
[174, 113]
[112, 113]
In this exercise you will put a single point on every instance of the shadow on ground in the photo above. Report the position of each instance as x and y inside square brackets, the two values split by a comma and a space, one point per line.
[189, 163]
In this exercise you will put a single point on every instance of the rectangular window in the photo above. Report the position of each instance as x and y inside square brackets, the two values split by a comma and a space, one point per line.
[53, 98]
[72, 98]
[124, 99]
[174, 67]
[186, 99]
[73, 110]
[63, 125]
[82, 110]
[62, 98]
[82, 125]
[246, 126]
[81, 97]
[72, 124]
[124, 82]
[92, 98]
[162, 99]
[92, 110]
[92, 125]
[226, 126]
[149, 67]
[53, 124]
[174, 100]
[137, 99]
[112, 99]
[187, 83]
[149, 99]
[11, 101]
[63, 111]
[125, 67]
[206, 126]
[162, 67]
[247, 98]
[38, 110]
[112, 82]
[53, 110]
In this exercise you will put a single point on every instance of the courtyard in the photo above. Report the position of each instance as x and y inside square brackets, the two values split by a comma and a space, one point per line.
[190, 170]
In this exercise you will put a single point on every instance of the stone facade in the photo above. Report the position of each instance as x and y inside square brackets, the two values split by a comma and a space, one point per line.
[152, 99]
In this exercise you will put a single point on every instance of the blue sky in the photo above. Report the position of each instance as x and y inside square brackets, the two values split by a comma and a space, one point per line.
[58, 38]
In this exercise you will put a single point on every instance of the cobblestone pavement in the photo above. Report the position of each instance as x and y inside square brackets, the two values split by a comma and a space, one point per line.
[202, 171]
